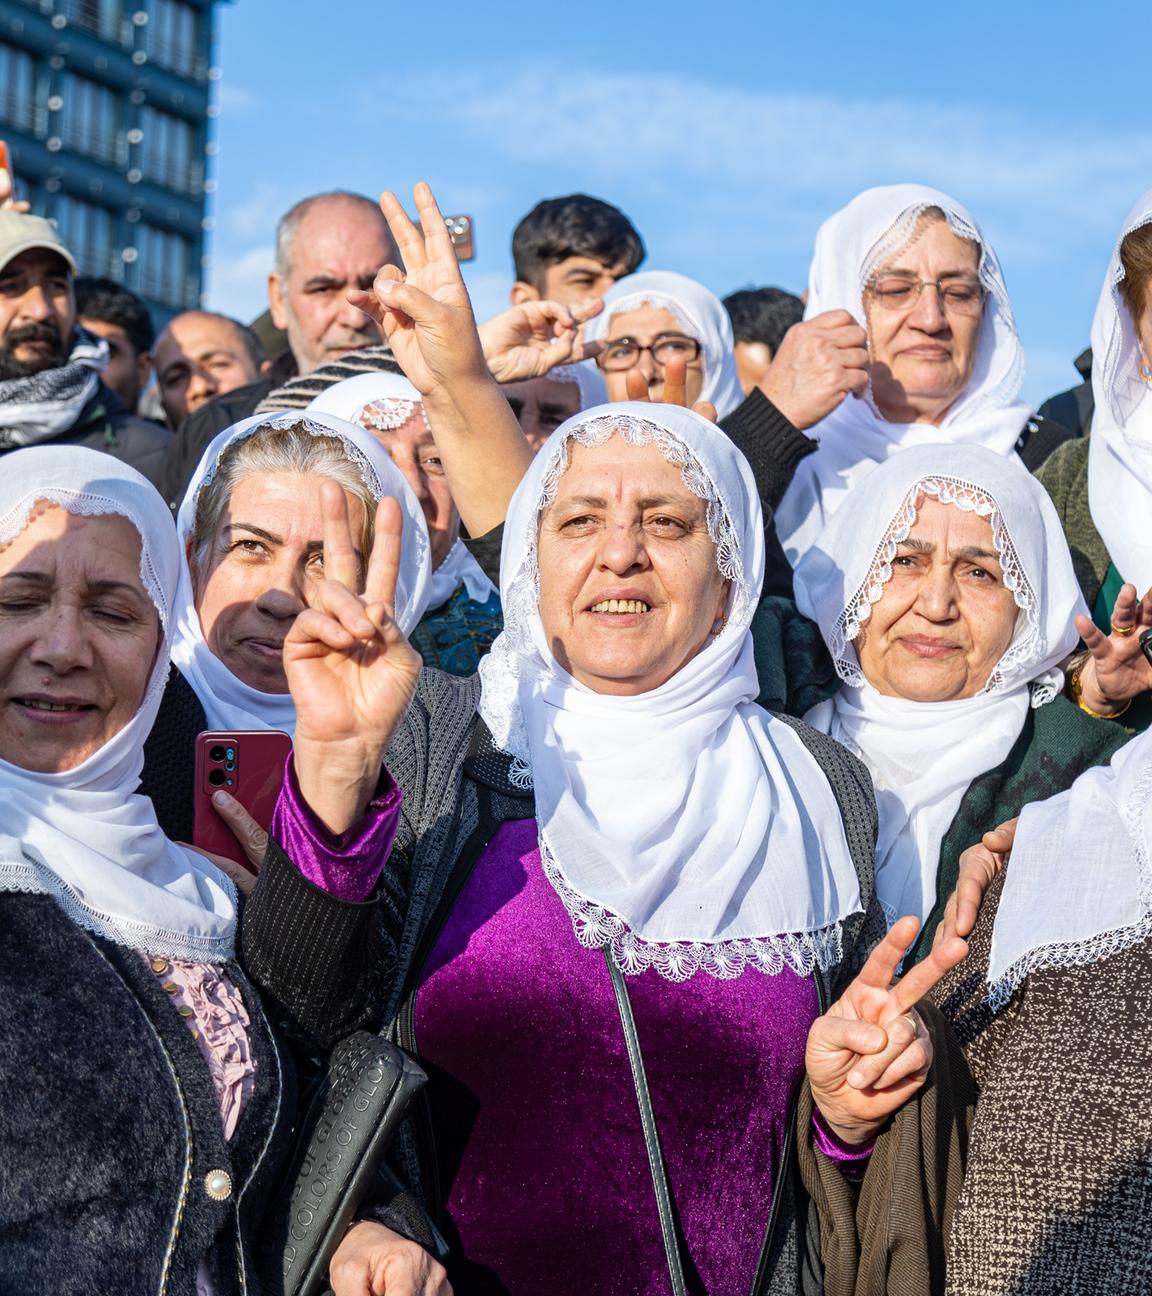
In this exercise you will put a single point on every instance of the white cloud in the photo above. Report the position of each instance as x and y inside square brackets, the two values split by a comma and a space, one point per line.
[669, 134]
[238, 285]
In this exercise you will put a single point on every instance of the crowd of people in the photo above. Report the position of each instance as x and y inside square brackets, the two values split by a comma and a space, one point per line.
[718, 755]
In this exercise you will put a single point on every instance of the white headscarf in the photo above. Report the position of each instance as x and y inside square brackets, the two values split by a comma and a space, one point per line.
[701, 315]
[84, 837]
[924, 755]
[1079, 884]
[587, 378]
[387, 401]
[850, 247]
[684, 827]
[228, 702]
[1120, 447]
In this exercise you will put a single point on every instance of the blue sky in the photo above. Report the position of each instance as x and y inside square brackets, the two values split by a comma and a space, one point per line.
[726, 131]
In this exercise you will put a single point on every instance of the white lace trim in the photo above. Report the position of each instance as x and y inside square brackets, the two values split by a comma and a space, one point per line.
[351, 449]
[1104, 944]
[970, 498]
[598, 928]
[900, 234]
[33, 878]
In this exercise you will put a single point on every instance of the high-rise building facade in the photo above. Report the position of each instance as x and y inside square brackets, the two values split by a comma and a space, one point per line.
[105, 106]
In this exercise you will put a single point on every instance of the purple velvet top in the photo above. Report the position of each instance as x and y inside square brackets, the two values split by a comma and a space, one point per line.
[346, 866]
[540, 1150]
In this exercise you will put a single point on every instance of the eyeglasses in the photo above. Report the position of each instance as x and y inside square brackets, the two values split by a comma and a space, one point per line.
[624, 353]
[957, 296]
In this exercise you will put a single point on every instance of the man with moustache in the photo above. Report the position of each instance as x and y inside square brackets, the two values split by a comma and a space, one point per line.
[327, 246]
[51, 388]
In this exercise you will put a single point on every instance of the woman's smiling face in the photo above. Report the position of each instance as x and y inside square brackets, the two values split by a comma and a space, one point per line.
[629, 587]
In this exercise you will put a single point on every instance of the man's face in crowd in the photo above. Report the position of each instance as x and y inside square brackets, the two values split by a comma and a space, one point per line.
[338, 246]
[541, 405]
[197, 357]
[571, 280]
[37, 313]
[127, 372]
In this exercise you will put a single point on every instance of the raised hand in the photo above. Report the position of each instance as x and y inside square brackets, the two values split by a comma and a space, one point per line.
[7, 202]
[530, 339]
[870, 1052]
[819, 363]
[424, 310]
[978, 866]
[1116, 669]
[351, 672]
[675, 388]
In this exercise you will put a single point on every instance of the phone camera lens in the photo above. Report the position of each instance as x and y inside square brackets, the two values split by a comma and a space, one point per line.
[230, 754]
[216, 777]
[216, 753]
[229, 765]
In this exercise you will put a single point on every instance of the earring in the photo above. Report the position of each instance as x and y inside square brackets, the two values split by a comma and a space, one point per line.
[1146, 373]
[716, 630]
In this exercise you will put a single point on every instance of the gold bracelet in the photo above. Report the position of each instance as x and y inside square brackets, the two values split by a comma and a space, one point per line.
[1075, 690]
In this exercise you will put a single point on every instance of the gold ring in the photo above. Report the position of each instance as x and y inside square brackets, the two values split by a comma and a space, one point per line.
[913, 1023]
[1125, 631]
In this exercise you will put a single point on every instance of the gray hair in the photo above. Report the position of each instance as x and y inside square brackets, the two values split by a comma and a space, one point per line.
[301, 448]
[290, 222]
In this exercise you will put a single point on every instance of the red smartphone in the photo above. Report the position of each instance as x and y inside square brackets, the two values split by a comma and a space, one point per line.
[463, 234]
[248, 764]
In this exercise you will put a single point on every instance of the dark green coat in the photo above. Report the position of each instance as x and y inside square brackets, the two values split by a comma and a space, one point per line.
[1056, 745]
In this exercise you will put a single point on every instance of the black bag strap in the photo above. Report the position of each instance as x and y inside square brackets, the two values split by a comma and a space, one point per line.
[651, 1137]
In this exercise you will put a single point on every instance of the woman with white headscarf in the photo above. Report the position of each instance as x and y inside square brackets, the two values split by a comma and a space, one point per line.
[945, 594]
[1052, 1011]
[251, 531]
[1102, 484]
[463, 613]
[656, 316]
[148, 1104]
[908, 339]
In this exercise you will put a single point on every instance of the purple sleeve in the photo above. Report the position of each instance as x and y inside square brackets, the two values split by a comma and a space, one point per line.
[852, 1158]
[346, 866]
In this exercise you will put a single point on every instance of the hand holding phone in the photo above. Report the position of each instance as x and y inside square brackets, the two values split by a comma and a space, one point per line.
[249, 766]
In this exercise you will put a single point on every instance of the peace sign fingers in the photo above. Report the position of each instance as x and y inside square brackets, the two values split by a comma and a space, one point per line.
[341, 560]
[409, 239]
[384, 565]
[437, 240]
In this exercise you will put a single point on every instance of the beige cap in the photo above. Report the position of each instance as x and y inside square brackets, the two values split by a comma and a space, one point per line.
[20, 231]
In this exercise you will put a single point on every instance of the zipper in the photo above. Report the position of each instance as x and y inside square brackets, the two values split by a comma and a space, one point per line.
[758, 1283]
[186, 1185]
[423, 1125]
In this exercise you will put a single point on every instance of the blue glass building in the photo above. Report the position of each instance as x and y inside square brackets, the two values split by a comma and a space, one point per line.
[105, 106]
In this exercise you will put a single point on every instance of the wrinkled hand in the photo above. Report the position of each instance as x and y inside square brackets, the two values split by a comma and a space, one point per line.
[530, 339]
[675, 388]
[870, 1052]
[978, 866]
[819, 363]
[1116, 670]
[7, 188]
[424, 311]
[374, 1261]
[351, 671]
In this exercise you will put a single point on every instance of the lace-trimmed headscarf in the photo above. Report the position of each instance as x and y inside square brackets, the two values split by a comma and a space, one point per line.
[1079, 883]
[84, 837]
[383, 402]
[850, 247]
[228, 702]
[1120, 448]
[684, 828]
[923, 755]
[700, 314]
